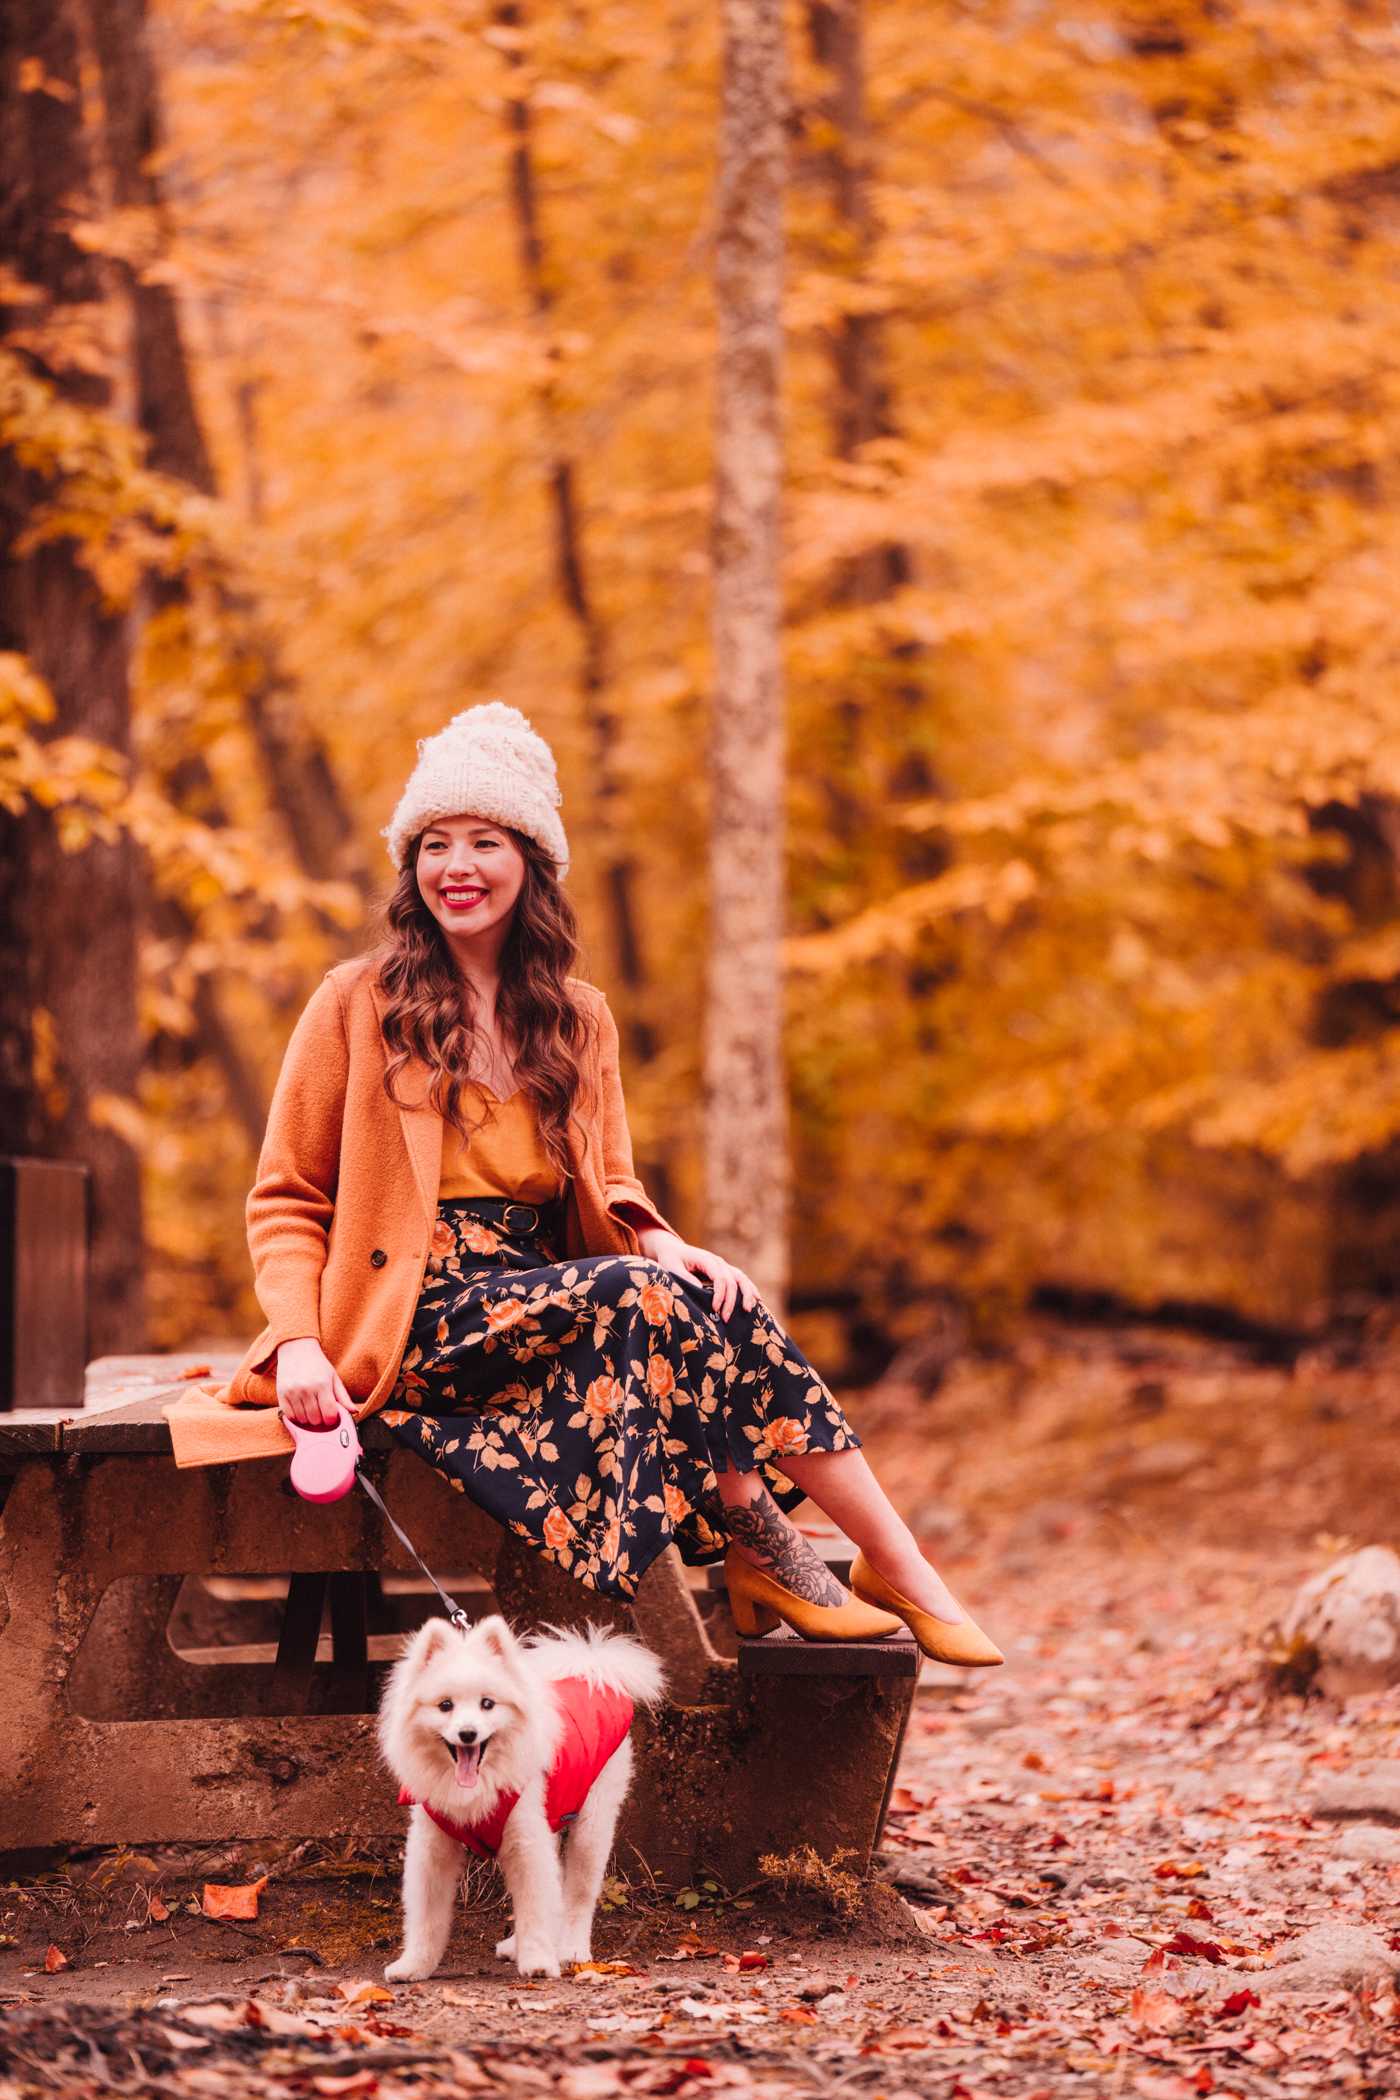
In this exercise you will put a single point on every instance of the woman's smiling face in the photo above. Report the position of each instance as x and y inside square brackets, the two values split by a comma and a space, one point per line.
[470, 874]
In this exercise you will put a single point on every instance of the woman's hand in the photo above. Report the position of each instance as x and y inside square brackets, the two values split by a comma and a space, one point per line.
[669, 1252]
[308, 1384]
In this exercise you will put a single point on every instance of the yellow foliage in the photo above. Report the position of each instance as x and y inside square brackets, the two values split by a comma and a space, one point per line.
[1095, 932]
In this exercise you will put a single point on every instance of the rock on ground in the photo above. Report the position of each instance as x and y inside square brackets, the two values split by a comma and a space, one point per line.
[1333, 1957]
[1350, 1615]
[1371, 1842]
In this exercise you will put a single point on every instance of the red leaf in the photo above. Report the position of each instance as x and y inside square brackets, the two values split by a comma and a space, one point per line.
[1237, 2002]
[55, 1960]
[1184, 1943]
[158, 1909]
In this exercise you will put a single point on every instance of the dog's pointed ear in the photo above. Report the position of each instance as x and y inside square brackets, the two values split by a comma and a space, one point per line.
[494, 1633]
[431, 1638]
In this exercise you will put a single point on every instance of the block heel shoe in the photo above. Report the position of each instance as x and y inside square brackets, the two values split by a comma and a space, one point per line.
[965, 1646]
[758, 1602]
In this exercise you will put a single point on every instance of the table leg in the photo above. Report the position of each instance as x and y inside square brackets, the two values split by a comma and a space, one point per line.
[349, 1685]
[296, 1651]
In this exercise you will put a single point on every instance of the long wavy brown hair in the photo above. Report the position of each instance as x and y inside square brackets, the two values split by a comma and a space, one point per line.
[428, 1013]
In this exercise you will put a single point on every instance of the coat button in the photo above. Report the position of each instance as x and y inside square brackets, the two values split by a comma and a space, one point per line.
[378, 1258]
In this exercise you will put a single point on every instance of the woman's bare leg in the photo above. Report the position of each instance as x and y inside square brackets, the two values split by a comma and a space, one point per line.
[844, 1489]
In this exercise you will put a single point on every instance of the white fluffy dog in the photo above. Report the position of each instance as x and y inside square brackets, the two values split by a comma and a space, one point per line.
[500, 1744]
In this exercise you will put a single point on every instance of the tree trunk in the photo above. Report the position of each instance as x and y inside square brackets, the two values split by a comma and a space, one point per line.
[68, 1008]
[745, 1098]
[860, 407]
[615, 868]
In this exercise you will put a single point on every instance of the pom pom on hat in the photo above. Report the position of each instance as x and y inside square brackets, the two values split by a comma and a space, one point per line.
[488, 762]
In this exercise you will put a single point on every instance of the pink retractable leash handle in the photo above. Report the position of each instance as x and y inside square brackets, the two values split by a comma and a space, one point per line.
[326, 1466]
[323, 1468]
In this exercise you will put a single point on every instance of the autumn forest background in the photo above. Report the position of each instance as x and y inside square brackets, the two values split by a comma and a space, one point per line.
[358, 364]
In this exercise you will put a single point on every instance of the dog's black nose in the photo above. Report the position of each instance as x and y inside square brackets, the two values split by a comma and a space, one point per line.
[466, 1735]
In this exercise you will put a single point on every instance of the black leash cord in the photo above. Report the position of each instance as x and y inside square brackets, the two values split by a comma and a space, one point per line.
[454, 1611]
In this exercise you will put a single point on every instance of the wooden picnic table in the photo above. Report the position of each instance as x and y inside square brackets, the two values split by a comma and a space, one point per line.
[108, 1735]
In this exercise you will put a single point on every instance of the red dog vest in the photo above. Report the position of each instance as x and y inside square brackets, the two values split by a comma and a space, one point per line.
[595, 1723]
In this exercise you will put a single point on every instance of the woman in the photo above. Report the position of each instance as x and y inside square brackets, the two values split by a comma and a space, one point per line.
[446, 1221]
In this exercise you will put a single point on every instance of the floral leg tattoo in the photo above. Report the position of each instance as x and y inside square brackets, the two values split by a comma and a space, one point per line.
[761, 1526]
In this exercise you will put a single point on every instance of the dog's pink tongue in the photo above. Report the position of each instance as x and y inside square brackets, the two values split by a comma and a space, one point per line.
[468, 1758]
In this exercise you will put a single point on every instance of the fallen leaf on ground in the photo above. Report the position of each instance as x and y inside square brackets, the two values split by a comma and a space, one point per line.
[742, 1964]
[1157, 2010]
[1186, 1943]
[220, 2017]
[55, 1960]
[895, 2041]
[358, 2082]
[365, 1993]
[467, 2071]
[1237, 2002]
[604, 1968]
[798, 2014]
[196, 1370]
[266, 2018]
[158, 1910]
[175, 2040]
[688, 1950]
[451, 1997]
[241, 1902]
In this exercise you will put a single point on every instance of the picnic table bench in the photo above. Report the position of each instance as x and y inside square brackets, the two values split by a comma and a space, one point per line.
[109, 1734]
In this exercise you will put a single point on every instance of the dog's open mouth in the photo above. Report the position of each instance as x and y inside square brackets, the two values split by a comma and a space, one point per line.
[468, 1760]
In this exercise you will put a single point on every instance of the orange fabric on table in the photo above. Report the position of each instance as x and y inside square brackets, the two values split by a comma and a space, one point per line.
[506, 1155]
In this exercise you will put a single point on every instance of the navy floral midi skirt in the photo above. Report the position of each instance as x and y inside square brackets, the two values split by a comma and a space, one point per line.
[586, 1404]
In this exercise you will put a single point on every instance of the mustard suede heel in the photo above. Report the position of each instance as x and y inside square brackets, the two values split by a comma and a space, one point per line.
[966, 1646]
[758, 1602]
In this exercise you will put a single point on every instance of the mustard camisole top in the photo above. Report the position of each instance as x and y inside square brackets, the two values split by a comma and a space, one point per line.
[506, 1157]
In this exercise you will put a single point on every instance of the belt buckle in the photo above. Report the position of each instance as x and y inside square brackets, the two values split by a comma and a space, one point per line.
[524, 1210]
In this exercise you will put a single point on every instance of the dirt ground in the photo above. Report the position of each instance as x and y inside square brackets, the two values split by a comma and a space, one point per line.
[1109, 1868]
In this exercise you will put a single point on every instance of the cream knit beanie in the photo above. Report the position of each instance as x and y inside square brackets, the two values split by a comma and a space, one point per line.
[488, 762]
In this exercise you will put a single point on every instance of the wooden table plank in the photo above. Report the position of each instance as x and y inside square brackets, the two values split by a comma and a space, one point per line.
[138, 1427]
[783, 1654]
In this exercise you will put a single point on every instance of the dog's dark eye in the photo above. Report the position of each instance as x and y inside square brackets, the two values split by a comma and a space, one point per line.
[444, 1706]
[486, 1705]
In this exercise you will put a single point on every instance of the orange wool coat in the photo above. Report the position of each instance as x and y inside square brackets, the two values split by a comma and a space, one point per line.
[340, 1218]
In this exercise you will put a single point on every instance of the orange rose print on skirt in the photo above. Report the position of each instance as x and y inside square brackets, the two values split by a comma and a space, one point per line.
[657, 1304]
[557, 1530]
[586, 1386]
[604, 1397]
